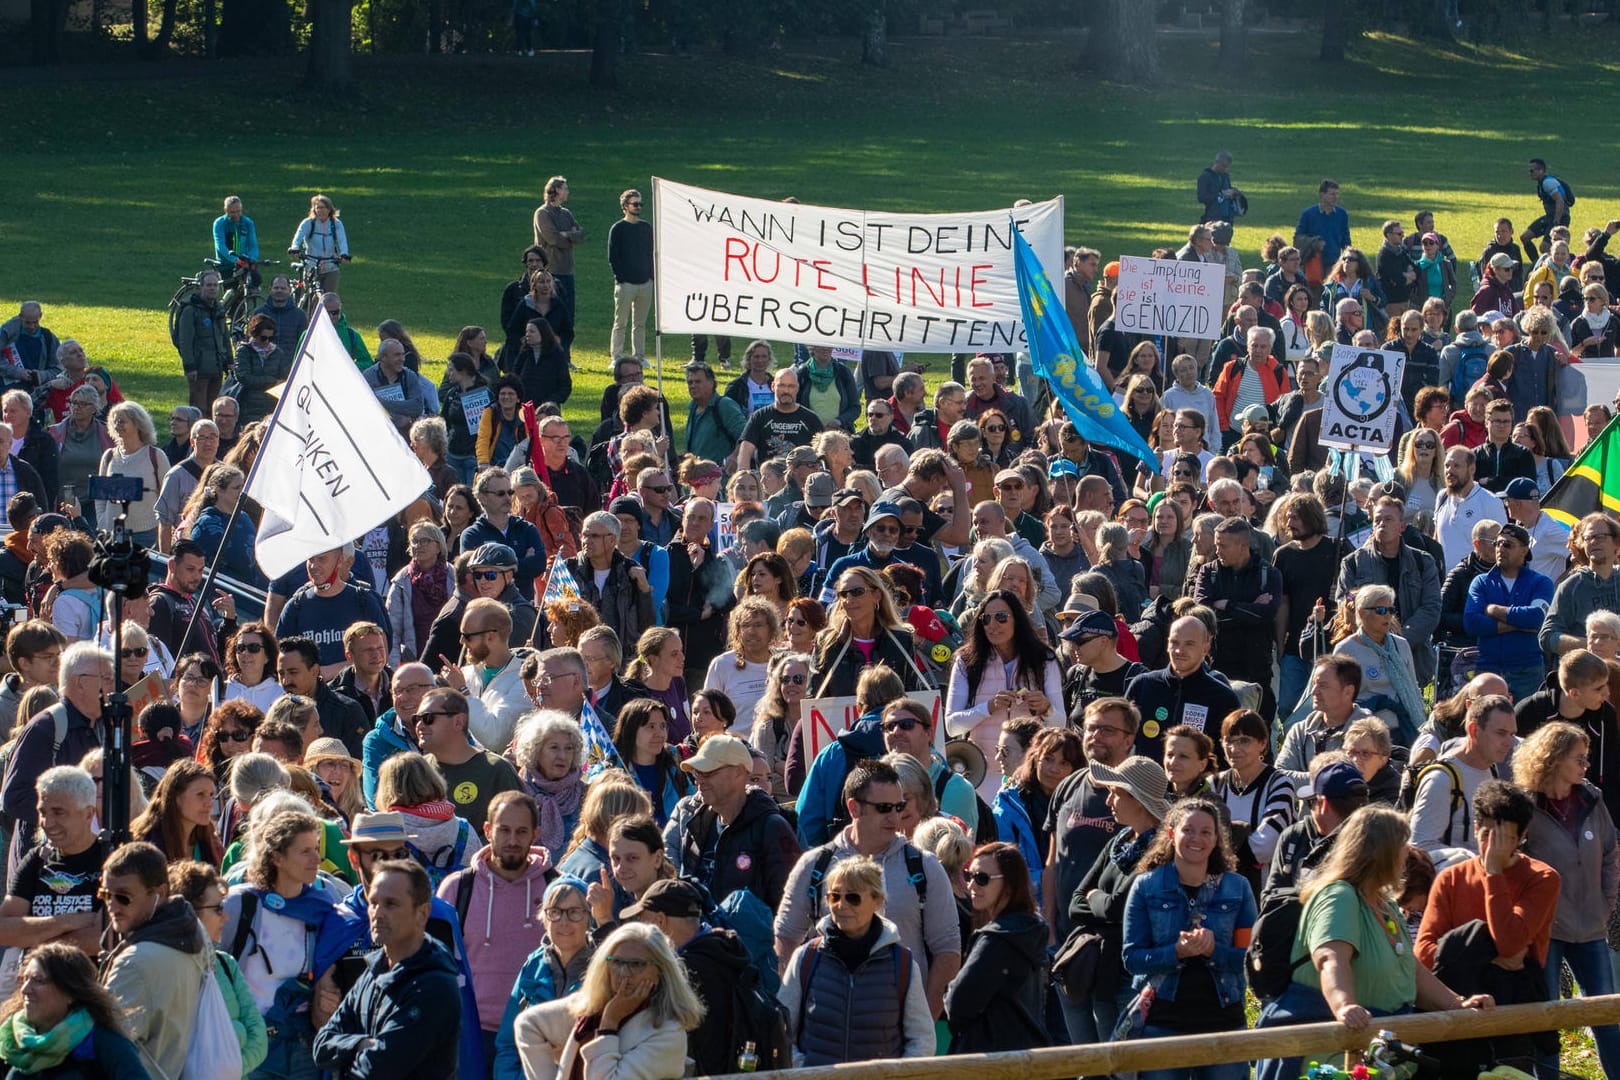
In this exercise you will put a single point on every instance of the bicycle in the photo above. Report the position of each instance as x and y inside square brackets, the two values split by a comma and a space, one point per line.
[238, 298]
[307, 291]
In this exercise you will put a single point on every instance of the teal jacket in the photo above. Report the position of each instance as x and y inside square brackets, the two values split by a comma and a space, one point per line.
[715, 433]
[251, 1035]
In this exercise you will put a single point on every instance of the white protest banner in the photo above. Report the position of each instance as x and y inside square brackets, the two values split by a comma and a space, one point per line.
[1167, 296]
[473, 404]
[746, 267]
[333, 465]
[823, 719]
[1361, 396]
[722, 518]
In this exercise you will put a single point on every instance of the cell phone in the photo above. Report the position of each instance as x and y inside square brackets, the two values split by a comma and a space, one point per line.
[68, 491]
[117, 488]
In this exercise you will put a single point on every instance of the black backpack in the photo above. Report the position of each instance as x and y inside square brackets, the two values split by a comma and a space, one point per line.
[758, 1018]
[1270, 963]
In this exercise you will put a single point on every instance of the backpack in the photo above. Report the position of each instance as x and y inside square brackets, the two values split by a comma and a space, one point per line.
[758, 1018]
[1269, 963]
[1470, 368]
[213, 1051]
[823, 863]
[437, 871]
[902, 977]
[1569, 193]
[986, 831]
[752, 920]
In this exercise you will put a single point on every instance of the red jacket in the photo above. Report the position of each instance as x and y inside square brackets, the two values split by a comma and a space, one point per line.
[1517, 905]
[1463, 430]
[1274, 383]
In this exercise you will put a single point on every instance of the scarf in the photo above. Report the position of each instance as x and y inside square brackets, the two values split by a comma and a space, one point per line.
[30, 1051]
[1597, 321]
[441, 810]
[557, 800]
[430, 591]
[1404, 681]
[820, 377]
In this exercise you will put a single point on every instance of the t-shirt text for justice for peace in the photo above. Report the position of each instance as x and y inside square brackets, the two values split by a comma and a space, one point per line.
[1170, 297]
[734, 265]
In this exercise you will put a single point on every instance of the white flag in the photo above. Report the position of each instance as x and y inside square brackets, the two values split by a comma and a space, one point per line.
[333, 466]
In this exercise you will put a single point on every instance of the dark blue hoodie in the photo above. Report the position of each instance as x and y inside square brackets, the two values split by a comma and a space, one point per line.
[823, 789]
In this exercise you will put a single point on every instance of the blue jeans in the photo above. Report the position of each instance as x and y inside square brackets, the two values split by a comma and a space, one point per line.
[1231, 1070]
[465, 466]
[1590, 961]
[1524, 681]
[1093, 1021]
[1294, 675]
[289, 1059]
[1297, 1005]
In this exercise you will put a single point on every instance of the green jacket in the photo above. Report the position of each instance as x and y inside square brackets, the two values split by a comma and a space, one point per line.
[245, 1019]
[353, 342]
[714, 435]
[205, 339]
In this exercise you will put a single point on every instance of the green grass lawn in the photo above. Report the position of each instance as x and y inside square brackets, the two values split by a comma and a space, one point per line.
[110, 185]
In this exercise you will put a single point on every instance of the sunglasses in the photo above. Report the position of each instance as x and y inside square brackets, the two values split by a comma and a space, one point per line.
[886, 807]
[660, 489]
[905, 723]
[122, 899]
[995, 616]
[1381, 609]
[995, 429]
[131, 653]
[234, 735]
[796, 680]
[853, 593]
[266, 337]
[853, 899]
[252, 648]
[430, 717]
[980, 878]
[505, 493]
[486, 575]
[468, 635]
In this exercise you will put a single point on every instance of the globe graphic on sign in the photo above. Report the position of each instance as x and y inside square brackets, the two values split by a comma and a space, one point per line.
[1364, 391]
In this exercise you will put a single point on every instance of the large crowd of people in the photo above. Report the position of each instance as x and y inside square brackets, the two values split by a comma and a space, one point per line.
[1130, 739]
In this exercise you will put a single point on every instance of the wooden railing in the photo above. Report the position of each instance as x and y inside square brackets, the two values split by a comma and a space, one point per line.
[1100, 1059]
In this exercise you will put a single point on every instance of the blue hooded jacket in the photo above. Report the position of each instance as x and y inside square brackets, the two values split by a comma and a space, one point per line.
[824, 783]
[542, 979]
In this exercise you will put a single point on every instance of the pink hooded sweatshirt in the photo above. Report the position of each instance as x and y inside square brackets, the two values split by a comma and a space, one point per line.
[501, 929]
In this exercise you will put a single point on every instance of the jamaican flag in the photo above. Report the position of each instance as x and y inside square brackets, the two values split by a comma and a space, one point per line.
[1592, 482]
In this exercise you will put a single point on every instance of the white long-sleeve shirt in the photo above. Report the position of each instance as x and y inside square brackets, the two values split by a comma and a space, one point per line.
[971, 716]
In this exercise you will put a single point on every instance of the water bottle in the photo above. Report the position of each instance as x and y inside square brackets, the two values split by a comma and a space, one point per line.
[748, 1060]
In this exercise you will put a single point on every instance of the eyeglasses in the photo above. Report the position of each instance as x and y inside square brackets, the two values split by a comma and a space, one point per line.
[546, 678]
[132, 653]
[251, 648]
[625, 966]
[1239, 740]
[853, 899]
[904, 723]
[431, 717]
[122, 899]
[854, 592]
[564, 437]
[1363, 755]
[885, 807]
[980, 878]
[565, 914]
[796, 680]
[1380, 609]
[195, 677]
[207, 907]
[995, 429]
[1104, 729]
[884, 530]
[486, 575]
[995, 616]
[233, 735]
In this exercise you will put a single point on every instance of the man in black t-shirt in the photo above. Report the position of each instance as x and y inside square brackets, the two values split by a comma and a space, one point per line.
[52, 894]
[1099, 671]
[784, 424]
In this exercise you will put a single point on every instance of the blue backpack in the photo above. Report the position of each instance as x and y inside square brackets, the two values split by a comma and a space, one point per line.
[1470, 369]
[753, 922]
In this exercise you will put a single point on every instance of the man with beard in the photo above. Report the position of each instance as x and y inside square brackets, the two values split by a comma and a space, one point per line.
[472, 775]
[778, 428]
[496, 898]
[882, 532]
[1463, 503]
[492, 678]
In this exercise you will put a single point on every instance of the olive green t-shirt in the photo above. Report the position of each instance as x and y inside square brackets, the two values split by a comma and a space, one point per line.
[1385, 971]
[476, 781]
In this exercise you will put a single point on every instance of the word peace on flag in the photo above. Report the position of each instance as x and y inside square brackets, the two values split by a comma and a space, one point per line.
[731, 264]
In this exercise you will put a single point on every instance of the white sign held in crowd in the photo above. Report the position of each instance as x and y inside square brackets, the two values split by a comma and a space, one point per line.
[817, 275]
[1361, 397]
[722, 518]
[824, 718]
[1170, 297]
[333, 465]
[473, 404]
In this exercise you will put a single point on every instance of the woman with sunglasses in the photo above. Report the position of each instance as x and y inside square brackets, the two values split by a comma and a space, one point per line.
[641, 737]
[250, 666]
[1422, 470]
[996, 433]
[1388, 686]
[553, 971]
[629, 1018]
[261, 363]
[1595, 330]
[776, 720]
[997, 1000]
[863, 629]
[805, 619]
[227, 735]
[194, 677]
[854, 992]
[1003, 672]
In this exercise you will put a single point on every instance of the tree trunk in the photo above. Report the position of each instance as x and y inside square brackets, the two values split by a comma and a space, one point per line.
[210, 12]
[875, 41]
[329, 40]
[137, 16]
[254, 28]
[1123, 46]
[1234, 37]
[1333, 31]
[165, 30]
[47, 22]
[605, 45]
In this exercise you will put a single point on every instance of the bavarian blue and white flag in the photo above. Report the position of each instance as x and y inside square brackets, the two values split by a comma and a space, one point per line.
[600, 753]
[1057, 358]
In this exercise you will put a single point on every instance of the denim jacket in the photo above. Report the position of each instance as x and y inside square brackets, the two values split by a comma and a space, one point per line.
[1158, 910]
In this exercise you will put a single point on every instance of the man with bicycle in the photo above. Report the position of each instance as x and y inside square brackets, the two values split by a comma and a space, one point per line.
[236, 243]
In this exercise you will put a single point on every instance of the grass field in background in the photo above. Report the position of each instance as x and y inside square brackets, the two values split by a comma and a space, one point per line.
[111, 179]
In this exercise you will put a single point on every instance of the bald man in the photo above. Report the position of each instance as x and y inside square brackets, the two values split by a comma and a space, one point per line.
[1185, 691]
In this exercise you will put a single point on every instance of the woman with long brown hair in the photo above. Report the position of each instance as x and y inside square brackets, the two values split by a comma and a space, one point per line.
[997, 1001]
[179, 820]
[60, 1011]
